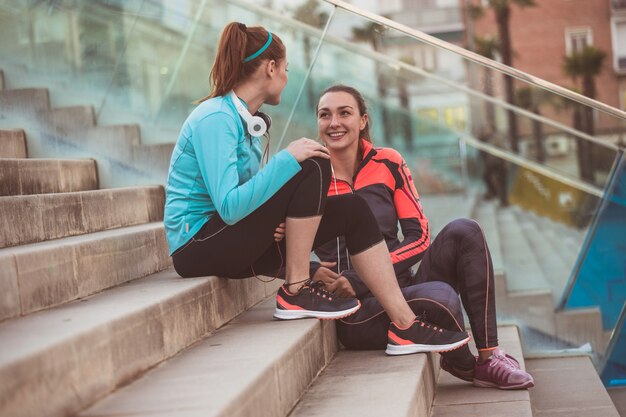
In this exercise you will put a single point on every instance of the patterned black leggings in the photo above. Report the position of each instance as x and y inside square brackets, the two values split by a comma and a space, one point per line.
[458, 262]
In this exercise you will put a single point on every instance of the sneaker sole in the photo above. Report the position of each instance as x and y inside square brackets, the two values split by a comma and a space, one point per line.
[324, 315]
[487, 384]
[394, 350]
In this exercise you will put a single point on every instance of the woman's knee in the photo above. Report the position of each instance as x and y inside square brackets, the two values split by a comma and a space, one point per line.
[317, 165]
[462, 228]
[438, 300]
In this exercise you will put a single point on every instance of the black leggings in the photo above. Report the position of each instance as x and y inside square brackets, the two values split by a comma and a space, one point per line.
[248, 248]
[435, 302]
[458, 262]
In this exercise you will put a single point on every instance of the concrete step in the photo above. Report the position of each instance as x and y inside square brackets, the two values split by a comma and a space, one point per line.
[553, 267]
[12, 143]
[561, 246]
[114, 142]
[40, 217]
[370, 383]
[581, 325]
[523, 272]
[254, 366]
[59, 361]
[69, 118]
[568, 239]
[42, 275]
[485, 215]
[157, 155]
[25, 100]
[45, 176]
[568, 386]
[618, 395]
[455, 397]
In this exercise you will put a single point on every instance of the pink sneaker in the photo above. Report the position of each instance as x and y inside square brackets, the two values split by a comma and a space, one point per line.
[502, 371]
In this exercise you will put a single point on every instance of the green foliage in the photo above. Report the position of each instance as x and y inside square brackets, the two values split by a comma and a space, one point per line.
[368, 33]
[486, 46]
[586, 63]
[310, 13]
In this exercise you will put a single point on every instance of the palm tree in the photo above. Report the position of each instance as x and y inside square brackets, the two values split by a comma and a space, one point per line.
[310, 14]
[502, 11]
[585, 65]
[372, 33]
[488, 47]
[531, 98]
[403, 94]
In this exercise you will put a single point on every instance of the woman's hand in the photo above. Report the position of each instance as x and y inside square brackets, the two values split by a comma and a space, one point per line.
[341, 288]
[279, 234]
[326, 275]
[304, 148]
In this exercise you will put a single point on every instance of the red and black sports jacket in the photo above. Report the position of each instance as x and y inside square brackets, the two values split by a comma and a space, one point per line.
[384, 181]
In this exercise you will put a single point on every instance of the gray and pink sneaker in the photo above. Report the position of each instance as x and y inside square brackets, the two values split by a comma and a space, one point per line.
[501, 371]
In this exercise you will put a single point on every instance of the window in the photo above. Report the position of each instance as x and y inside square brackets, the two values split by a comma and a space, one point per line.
[455, 117]
[577, 38]
[618, 29]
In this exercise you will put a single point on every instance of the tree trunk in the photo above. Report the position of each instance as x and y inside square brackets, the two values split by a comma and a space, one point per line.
[309, 85]
[538, 134]
[582, 146]
[589, 90]
[406, 117]
[490, 111]
[502, 20]
[382, 93]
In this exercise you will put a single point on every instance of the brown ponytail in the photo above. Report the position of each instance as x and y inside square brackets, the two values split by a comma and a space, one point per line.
[236, 43]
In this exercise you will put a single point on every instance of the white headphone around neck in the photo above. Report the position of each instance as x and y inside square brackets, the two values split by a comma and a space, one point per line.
[257, 124]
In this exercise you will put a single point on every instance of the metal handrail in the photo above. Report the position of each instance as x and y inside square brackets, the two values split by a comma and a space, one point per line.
[396, 63]
[479, 59]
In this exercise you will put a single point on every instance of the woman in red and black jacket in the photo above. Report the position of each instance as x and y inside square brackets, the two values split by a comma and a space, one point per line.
[457, 263]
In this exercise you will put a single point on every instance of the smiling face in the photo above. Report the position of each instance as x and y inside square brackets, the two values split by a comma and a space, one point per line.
[339, 122]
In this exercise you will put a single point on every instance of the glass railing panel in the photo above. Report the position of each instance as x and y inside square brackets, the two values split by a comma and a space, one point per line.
[428, 136]
[70, 47]
[558, 168]
[599, 278]
[613, 370]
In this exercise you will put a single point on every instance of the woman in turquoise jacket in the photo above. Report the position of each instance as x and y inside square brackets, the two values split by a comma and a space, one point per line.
[222, 209]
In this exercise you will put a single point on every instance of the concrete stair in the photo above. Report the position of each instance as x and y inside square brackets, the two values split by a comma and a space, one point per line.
[255, 365]
[536, 266]
[88, 299]
[12, 143]
[35, 218]
[455, 397]
[44, 176]
[570, 386]
[72, 131]
[58, 361]
[41, 275]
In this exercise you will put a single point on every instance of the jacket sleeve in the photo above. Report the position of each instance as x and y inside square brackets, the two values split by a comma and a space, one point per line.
[215, 139]
[413, 222]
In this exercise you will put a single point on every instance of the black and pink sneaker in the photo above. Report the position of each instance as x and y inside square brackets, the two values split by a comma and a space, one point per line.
[502, 371]
[464, 374]
[313, 301]
[422, 336]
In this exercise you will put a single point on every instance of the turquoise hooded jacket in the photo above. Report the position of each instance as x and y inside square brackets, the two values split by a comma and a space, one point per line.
[215, 170]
